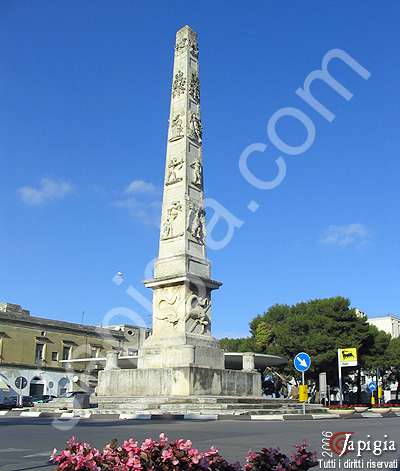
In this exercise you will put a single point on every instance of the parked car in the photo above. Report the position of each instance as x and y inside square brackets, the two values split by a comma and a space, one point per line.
[42, 399]
[12, 402]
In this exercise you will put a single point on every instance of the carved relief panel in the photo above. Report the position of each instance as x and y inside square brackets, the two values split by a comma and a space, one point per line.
[174, 170]
[176, 126]
[196, 223]
[169, 304]
[197, 173]
[170, 228]
[195, 127]
[194, 87]
[179, 85]
[198, 313]
[187, 44]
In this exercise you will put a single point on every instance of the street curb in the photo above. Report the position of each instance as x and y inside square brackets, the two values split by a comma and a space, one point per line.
[271, 417]
[325, 416]
[134, 416]
[30, 414]
[167, 416]
[193, 417]
[200, 417]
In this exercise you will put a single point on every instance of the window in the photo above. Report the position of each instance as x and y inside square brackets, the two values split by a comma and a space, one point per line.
[39, 352]
[66, 354]
[54, 356]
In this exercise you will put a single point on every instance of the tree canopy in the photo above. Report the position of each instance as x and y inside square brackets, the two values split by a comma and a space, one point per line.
[319, 327]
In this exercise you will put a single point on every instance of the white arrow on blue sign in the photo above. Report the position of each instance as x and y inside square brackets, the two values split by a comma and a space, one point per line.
[302, 362]
[372, 387]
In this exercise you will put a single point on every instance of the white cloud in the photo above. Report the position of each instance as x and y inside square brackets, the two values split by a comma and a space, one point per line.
[48, 190]
[143, 201]
[347, 235]
[140, 186]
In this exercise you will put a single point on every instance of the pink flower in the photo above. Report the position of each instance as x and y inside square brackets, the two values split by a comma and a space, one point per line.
[183, 444]
[194, 455]
[134, 463]
[167, 454]
[148, 444]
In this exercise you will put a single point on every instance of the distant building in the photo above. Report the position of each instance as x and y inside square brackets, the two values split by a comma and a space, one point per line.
[39, 350]
[389, 324]
[360, 313]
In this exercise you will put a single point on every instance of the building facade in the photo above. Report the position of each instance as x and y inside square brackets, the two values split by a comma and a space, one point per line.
[389, 324]
[39, 350]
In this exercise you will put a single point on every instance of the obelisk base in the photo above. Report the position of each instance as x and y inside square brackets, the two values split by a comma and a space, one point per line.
[178, 381]
[184, 350]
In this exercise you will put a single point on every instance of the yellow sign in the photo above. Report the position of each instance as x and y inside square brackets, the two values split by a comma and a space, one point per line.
[303, 393]
[347, 356]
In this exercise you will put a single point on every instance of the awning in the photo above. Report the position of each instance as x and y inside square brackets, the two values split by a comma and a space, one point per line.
[234, 361]
[3, 384]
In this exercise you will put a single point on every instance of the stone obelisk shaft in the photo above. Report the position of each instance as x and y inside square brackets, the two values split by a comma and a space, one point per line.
[182, 236]
[182, 285]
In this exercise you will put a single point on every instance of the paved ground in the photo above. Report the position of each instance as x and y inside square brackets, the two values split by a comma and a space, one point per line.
[26, 443]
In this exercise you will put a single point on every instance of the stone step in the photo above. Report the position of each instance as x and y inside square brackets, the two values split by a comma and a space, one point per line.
[117, 410]
[201, 406]
[183, 407]
[230, 412]
[192, 400]
[226, 403]
[146, 408]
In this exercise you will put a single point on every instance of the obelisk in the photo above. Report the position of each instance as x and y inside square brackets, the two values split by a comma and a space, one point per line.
[181, 358]
[182, 285]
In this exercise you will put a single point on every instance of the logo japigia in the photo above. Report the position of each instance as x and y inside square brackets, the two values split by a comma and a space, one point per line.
[342, 443]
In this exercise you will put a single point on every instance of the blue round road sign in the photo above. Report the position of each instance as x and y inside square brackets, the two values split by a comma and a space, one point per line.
[302, 362]
[372, 387]
[21, 382]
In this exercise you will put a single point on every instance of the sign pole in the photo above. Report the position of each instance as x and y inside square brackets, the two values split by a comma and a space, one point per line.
[340, 380]
[302, 363]
[379, 387]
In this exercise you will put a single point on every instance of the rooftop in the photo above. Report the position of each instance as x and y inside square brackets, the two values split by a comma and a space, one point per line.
[15, 313]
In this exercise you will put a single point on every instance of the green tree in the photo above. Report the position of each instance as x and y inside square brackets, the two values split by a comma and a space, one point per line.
[262, 336]
[318, 327]
[393, 354]
[245, 344]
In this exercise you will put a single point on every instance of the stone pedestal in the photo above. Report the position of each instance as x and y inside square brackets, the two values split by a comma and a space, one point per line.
[249, 362]
[184, 350]
[179, 381]
[112, 360]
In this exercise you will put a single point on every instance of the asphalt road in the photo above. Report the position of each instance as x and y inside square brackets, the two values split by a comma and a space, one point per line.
[25, 444]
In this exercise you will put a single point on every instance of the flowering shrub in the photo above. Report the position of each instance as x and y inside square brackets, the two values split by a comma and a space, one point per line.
[342, 407]
[77, 456]
[383, 406]
[178, 455]
[273, 459]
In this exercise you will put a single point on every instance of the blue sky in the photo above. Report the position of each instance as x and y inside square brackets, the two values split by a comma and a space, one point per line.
[84, 92]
